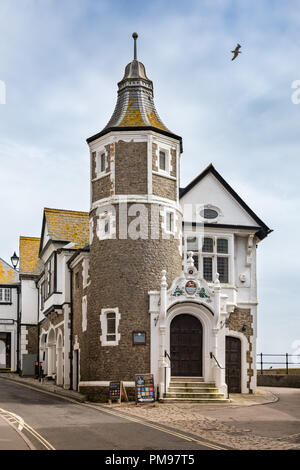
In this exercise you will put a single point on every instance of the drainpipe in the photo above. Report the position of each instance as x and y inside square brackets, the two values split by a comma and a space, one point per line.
[18, 329]
[38, 331]
[71, 327]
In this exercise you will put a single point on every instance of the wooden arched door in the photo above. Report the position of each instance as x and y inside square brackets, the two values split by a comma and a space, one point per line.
[186, 346]
[233, 364]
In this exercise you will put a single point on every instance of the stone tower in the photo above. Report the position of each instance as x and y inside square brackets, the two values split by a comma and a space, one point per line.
[135, 229]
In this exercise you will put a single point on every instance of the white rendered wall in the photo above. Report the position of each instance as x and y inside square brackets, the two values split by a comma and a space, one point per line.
[29, 302]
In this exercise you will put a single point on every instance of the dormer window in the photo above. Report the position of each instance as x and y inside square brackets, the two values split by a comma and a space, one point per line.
[162, 160]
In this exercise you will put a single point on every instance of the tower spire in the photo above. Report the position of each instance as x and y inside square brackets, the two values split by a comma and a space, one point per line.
[135, 36]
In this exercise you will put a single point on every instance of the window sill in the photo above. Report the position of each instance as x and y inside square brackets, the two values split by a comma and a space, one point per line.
[100, 176]
[165, 174]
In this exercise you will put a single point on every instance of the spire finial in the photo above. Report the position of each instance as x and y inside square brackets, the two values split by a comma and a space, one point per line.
[135, 36]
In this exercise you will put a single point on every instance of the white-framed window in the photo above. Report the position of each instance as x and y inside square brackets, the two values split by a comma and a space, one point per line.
[162, 160]
[101, 163]
[212, 255]
[106, 225]
[168, 221]
[5, 295]
[110, 319]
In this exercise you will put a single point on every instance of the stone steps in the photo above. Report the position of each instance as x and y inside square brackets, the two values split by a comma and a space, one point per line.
[193, 395]
[195, 400]
[193, 390]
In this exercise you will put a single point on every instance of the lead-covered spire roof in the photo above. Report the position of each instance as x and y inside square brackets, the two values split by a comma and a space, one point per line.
[135, 105]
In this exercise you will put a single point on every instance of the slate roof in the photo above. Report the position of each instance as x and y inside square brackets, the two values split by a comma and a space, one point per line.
[135, 108]
[29, 255]
[7, 274]
[66, 226]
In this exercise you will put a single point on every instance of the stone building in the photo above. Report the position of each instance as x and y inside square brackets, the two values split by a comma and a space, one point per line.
[154, 278]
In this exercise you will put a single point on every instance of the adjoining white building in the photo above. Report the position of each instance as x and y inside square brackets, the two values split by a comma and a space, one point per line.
[9, 316]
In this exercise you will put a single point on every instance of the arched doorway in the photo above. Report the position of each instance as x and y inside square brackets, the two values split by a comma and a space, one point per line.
[59, 355]
[186, 346]
[233, 364]
[2, 354]
[51, 346]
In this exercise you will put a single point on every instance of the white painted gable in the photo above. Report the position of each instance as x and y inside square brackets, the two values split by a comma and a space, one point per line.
[210, 191]
[46, 237]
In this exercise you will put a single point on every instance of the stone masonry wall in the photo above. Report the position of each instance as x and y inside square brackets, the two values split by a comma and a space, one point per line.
[235, 322]
[78, 293]
[32, 338]
[164, 187]
[131, 167]
[122, 273]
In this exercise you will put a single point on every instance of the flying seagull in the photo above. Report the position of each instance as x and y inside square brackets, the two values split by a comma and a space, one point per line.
[236, 52]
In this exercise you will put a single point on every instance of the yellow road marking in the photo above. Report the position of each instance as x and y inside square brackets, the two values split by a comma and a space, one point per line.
[129, 418]
[13, 418]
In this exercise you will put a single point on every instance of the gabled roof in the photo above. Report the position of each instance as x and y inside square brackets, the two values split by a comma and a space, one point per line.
[29, 255]
[66, 226]
[8, 275]
[264, 229]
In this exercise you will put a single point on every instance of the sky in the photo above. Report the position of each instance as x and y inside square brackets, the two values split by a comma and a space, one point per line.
[61, 60]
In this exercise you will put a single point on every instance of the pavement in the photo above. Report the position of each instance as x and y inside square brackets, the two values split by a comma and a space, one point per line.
[10, 437]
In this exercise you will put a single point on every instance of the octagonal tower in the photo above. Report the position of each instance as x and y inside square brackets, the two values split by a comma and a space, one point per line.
[135, 231]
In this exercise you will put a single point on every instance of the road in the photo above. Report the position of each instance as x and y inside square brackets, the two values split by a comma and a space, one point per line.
[65, 425]
[273, 420]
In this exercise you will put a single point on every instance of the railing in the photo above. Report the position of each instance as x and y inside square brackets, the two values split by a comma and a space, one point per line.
[165, 376]
[286, 363]
[212, 356]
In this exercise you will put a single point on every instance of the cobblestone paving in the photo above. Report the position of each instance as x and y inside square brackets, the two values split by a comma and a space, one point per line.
[191, 418]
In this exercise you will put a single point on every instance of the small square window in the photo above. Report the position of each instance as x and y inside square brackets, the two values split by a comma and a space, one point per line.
[102, 162]
[162, 160]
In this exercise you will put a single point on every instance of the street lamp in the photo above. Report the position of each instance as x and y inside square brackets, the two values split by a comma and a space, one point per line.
[14, 260]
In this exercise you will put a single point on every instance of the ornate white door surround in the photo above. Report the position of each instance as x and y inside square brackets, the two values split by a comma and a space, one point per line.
[188, 294]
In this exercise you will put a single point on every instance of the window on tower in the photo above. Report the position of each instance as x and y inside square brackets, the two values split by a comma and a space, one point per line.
[102, 163]
[162, 160]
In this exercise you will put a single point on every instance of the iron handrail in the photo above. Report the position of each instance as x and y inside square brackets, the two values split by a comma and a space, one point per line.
[212, 356]
[167, 355]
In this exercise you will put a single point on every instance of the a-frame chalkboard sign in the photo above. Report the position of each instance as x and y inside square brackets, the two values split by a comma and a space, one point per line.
[116, 389]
